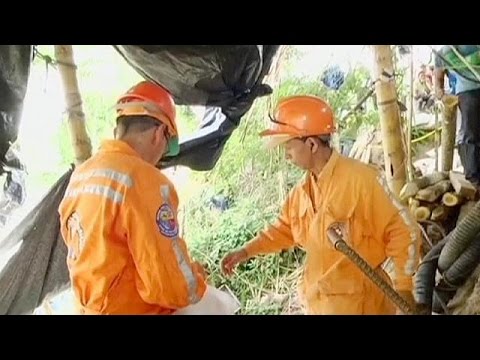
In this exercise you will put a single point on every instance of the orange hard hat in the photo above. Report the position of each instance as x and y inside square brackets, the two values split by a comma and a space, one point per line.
[149, 99]
[301, 116]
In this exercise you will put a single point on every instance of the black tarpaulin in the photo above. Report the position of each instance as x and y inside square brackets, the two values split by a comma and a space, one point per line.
[39, 266]
[15, 63]
[225, 78]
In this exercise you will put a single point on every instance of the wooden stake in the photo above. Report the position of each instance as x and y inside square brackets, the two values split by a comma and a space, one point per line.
[76, 118]
[449, 129]
[393, 149]
[410, 120]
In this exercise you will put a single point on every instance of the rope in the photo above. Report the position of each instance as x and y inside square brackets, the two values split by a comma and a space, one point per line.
[423, 137]
[50, 61]
[425, 237]
[474, 72]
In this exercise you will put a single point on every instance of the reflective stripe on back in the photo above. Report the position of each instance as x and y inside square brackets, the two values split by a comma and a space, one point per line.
[99, 190]
[111, 174]
[182, 262]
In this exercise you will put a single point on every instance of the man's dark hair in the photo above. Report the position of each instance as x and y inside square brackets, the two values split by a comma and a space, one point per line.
[135, 124]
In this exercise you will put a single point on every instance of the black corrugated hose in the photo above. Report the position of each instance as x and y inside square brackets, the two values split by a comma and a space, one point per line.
[456, 257]
[460, 238]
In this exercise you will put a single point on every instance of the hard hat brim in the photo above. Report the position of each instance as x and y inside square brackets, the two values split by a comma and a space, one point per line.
[272, 141]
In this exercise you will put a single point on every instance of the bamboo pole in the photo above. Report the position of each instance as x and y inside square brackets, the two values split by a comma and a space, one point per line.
[437, 140]
[76, 118]
[393, 148]
[449, 128]
[410, 119]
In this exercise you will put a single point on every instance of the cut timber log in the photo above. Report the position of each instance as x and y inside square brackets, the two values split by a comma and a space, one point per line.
[413, 204]
[413, 187]
[432, 193]
[451, 199]
[440, 213]
[462, 186]
[422, 213]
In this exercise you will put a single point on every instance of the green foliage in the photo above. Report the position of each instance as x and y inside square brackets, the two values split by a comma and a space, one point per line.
[213, 234]
[356, 85]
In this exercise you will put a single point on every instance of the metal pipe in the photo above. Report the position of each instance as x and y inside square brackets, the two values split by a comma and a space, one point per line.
[336, 239]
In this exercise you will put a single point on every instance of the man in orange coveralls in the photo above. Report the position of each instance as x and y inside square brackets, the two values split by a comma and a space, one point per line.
[336, 189]
[118, 217]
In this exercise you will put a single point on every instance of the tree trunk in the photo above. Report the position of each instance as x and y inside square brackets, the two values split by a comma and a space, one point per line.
[449, 129]
[393, 149]
[76, 118]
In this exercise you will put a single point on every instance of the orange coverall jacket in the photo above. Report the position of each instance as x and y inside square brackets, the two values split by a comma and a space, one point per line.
[119, 222]
[379, 227]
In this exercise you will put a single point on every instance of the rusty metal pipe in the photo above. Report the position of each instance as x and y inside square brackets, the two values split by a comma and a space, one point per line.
[336, 239]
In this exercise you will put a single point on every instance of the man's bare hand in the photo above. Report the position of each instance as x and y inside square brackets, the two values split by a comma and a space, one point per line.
[199, 267]
[231, 260]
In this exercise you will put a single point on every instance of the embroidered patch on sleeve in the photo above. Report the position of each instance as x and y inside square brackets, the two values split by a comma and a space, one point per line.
[166, 222]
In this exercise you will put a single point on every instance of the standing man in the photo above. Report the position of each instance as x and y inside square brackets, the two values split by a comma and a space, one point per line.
[335, 189]
[467, 88]
[119, 217]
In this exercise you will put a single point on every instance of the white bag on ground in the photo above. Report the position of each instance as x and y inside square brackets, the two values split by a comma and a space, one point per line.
[214, 302]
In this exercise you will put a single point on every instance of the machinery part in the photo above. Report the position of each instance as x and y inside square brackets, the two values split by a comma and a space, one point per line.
[335, 236]
[460, 238]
